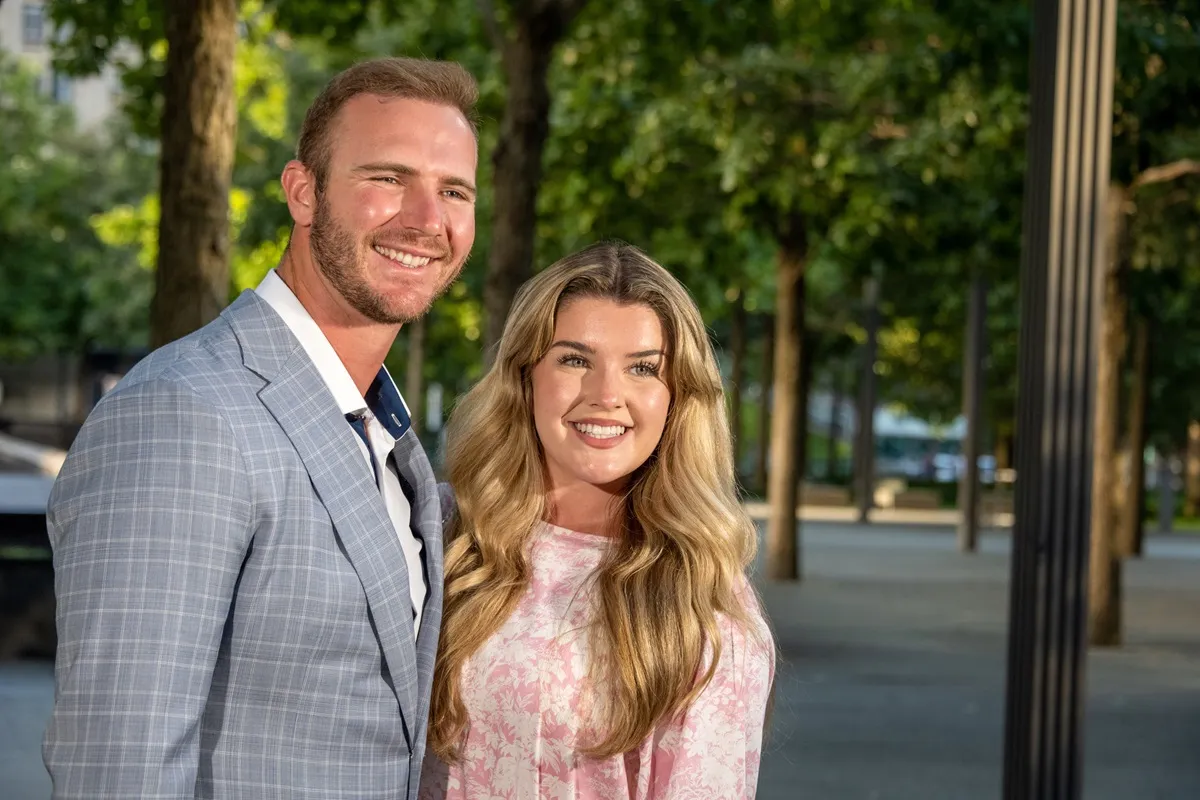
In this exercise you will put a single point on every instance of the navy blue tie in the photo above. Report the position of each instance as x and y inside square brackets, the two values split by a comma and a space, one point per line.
[359, 423]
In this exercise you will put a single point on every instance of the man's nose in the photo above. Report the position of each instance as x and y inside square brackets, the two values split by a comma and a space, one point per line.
[421, 210]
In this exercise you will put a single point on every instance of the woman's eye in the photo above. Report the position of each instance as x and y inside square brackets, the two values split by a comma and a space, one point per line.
[645, 370]
[572, 361]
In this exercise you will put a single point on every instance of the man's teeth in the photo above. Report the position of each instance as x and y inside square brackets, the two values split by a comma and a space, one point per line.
[599, 431]
[406, 259]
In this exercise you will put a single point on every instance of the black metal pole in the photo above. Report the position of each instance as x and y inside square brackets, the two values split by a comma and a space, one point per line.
[968, 487]
[1062, 267]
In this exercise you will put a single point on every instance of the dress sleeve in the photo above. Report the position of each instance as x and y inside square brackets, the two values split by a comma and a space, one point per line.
[712, 751]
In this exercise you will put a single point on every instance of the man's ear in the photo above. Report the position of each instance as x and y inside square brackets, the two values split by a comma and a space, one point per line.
[300, 190]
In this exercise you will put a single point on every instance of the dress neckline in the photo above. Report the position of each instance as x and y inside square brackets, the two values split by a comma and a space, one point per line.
[557, 532]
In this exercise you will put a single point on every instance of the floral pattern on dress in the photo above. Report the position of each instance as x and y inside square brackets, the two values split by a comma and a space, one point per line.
[528, 701]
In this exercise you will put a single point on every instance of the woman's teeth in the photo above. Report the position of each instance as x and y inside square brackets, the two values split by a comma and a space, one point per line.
[599, 431]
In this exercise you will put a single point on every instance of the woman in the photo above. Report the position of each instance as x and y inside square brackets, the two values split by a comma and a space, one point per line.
[599, 637]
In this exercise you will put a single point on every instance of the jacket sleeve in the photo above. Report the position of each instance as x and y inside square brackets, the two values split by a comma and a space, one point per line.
[150, 521]
[449, 506]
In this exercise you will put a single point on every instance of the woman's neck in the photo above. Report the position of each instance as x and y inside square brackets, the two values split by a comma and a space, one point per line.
[586, 508]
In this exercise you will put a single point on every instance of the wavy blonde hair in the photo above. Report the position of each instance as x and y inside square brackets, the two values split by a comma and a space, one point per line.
[685, 543]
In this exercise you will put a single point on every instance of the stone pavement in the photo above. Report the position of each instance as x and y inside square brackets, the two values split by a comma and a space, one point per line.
[892, 685]
[892, 680]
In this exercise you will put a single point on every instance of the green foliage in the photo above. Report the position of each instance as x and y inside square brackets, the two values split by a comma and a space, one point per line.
[1157, 122]
[603, 179]
[64, 288]
[891, 131]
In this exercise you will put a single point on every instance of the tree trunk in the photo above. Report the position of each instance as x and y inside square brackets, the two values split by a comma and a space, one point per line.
[1104, 597]
[525, 54]
[1129, 536]
[1004, 451]
[864, 452]
[414, 374]
[1166, 492]
[808, 361]
[764, 403]
[968, 487]
[1191, 471]
[835, 423]
[737, 375]
[199, 127]
[787, 454]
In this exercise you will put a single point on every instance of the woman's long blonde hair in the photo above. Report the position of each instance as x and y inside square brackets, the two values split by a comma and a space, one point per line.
[686, 539]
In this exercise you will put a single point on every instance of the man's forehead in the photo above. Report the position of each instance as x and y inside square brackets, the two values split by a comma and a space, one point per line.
[425, 137]
[421, 112]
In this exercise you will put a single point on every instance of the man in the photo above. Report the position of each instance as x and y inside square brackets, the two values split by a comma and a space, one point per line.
[247, 534]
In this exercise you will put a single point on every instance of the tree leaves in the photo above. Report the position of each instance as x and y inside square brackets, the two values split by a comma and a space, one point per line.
[63, 287]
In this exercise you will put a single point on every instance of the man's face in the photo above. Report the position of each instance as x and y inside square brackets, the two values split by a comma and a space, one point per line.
[394, 220]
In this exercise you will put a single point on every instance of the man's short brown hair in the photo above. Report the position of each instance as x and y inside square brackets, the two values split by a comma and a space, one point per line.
[441, 82]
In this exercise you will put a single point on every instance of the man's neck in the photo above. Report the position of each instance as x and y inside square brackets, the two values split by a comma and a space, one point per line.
[361, 344]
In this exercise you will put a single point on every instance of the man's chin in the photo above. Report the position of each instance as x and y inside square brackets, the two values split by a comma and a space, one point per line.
[404, 313]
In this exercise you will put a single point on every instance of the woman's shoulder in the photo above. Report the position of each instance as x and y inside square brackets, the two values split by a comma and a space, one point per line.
[747, 634]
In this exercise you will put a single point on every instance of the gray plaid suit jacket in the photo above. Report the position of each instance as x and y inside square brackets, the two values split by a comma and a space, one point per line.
[234, 615]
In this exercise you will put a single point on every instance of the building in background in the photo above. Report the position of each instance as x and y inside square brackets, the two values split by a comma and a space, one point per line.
[27, 32]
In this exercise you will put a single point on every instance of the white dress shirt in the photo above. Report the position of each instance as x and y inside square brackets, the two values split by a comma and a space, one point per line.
[351, 403]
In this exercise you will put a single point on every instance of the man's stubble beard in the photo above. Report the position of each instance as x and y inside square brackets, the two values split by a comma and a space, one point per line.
[338, 257]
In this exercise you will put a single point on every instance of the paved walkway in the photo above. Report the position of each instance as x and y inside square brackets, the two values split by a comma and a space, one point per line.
[894, 652]
[892, 681]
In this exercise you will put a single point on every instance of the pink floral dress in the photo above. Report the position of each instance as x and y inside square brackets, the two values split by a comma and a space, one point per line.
[526, 695]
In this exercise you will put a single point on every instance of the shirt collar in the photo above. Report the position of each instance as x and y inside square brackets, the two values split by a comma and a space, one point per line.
[388, 405]
[383, 398]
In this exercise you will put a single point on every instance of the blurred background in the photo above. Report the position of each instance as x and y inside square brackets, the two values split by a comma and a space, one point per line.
[840, 185]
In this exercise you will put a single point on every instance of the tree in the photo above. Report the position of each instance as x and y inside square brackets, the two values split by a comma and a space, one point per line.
[1158, 60]
[525, 38]
[198, 134]
[800, 122]
[190, 94]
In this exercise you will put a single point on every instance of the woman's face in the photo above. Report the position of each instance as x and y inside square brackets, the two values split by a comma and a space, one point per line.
[600, 395]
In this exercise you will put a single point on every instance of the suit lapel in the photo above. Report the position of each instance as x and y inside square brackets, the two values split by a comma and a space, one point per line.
[301, 403]
[416, 472]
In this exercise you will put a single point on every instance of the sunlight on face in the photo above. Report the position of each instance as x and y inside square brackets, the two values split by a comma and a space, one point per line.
[396, 219]
[600, 395]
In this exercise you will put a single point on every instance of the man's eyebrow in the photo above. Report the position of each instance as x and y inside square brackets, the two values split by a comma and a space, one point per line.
[403, 169]
[385, 166]
[461, 183]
